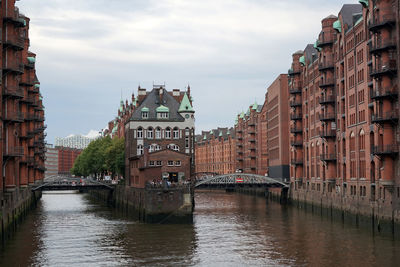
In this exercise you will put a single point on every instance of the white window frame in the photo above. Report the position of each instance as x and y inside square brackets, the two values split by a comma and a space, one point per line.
[140, 133]
[168, 133]
[145, 114]
[158, 133]
[140, 150]
[170, 163]
[178, 163]
[175, 133]
[150, 133]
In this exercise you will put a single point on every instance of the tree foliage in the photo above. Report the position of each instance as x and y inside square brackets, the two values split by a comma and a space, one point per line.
[103, 155]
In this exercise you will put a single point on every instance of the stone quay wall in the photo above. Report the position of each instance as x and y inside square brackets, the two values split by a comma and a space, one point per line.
[151, 205]
[14, 207]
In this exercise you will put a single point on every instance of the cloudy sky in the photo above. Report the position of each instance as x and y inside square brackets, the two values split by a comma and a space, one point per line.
[90, 52]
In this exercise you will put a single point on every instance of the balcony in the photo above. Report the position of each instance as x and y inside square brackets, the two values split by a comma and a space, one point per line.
[13, 91]
[296, 143]
[296, 161]
[381, 93]
[325, 65]
[328, 157]
[13, 17]
[380, 46]
[28, 99]
[28, 160]
[386, 68]
[376, 24]
[14, 68]
[295, 103]
[27, 82]
[329, 116]
[389, 116]
[40, 129]
[16, 151]
[292, 72]
[296, 129]
[383, 150]
[252, 140]
[13, 116]
[327, 133]
[325, 40]
[327, 99]
[15, 42]
[295, 90]
[326, 83]
[296, 116]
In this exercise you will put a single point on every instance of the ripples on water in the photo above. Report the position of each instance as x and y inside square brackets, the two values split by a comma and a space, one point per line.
[228, 230]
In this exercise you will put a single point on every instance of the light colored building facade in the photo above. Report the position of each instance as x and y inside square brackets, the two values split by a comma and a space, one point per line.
[74, 141]
[51, 162]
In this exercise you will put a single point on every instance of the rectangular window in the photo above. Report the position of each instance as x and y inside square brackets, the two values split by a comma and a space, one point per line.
[145, 115]
[151, 163]
[159, 162]
[178, 163]
[170, 163]
[163, 115]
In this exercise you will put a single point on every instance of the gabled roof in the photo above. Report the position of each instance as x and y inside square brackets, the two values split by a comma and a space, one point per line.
[152, 101]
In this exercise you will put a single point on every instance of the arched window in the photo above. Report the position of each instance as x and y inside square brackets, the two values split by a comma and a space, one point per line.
[140, 133]
[173, 147]
[151, 148]
[140, 149]
[187, 131]
[168, 133]
[157, 148]
[352, 142]
[176, 133]
[158, 133]
[361, 141]
[150, 133]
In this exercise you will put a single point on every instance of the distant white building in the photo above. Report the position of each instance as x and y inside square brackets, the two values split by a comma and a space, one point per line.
[75, 141]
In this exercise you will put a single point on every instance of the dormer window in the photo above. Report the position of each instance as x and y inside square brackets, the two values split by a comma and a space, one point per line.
[162, 112]
[145, 113]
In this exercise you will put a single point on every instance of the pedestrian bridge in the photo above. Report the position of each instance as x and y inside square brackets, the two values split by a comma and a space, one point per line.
[213, 180]
[61, 183]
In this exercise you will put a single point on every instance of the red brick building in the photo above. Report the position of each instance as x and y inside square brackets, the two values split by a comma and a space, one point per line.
[159, 137]
[344, 135]
[22, 112]
[259, 142]
[216, 151]
[66, 159]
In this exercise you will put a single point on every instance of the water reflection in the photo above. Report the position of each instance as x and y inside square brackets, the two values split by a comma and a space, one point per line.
[228, 230]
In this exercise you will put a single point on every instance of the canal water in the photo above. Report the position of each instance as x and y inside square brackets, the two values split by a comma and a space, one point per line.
[228, 230]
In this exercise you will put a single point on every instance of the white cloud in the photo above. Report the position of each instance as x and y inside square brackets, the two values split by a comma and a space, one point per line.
[89, 50]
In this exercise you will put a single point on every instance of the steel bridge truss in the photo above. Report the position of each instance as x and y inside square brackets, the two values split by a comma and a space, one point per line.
[55, 183]
[239, 179]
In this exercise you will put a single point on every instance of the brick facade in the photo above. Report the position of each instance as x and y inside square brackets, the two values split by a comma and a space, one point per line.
[344, 135]
[22, 111]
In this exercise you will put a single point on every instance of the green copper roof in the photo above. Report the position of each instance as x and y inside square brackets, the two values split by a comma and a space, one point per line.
[241, 115]
[162, 108]
[185, 105]
[40, 98]
[145, 109]
[302, 60]
[22, 21]
[31, 59]
[337, 26]
[114, 130]
[121, 106]
[220, 134]
[37, 85]
[364, 3]
[205, 137]
[228, 132]
[316, 45]
[248, 112]
[255, 106]
[211, 132]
